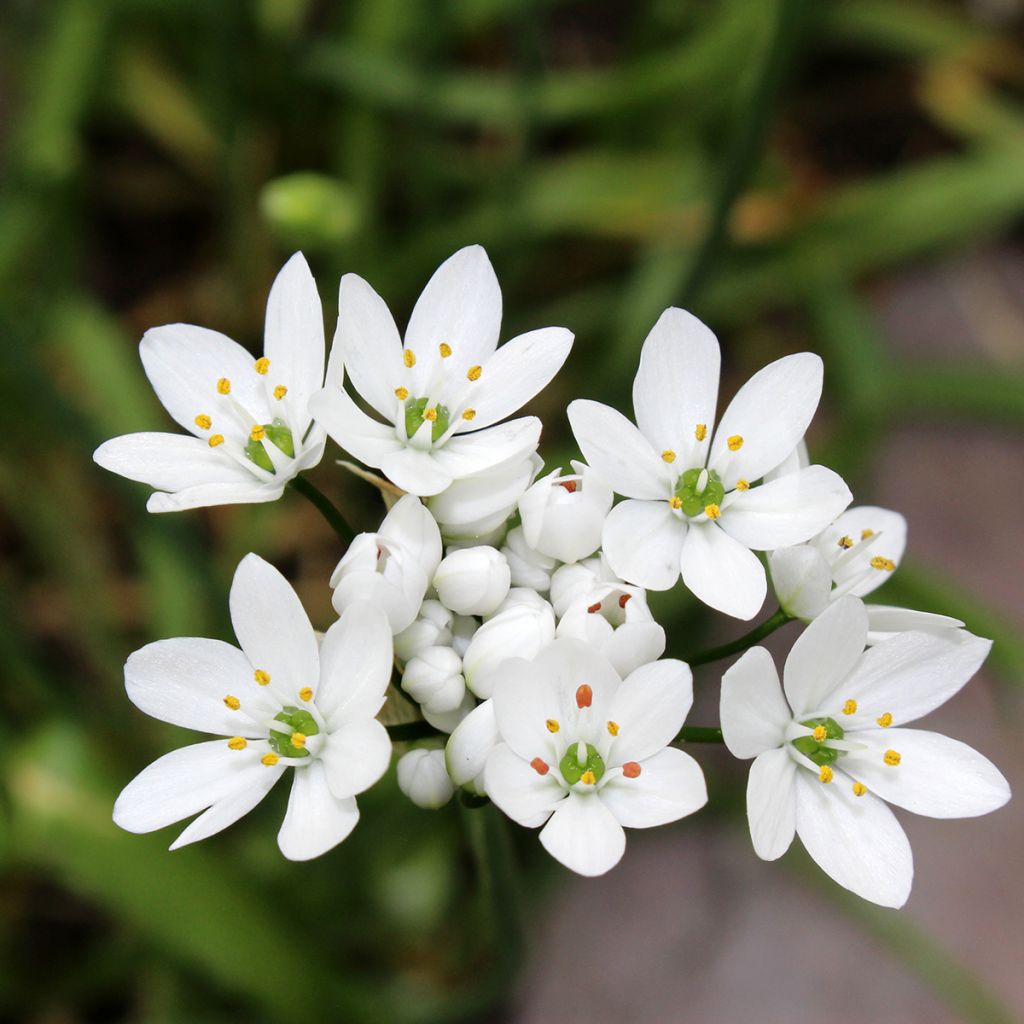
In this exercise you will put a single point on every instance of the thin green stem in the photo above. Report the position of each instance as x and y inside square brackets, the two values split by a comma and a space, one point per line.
[325, 507]
[405, 731]
[699, 734]
[779, 619]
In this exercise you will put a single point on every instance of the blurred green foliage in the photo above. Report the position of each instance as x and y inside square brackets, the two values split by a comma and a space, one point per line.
[160, 161]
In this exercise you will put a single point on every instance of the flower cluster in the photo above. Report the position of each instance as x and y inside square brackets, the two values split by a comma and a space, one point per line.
[497, 617]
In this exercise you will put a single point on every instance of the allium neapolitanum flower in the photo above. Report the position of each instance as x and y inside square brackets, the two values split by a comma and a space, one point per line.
[281, 702]
[830, 753]
[251, 430]
[695, 505]
[584, 753]
[442, 396]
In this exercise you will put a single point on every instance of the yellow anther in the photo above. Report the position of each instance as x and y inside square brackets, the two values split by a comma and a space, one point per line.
[262, 365]
[820, 734]
[445, 349]
[203, 422]
[701, 431]
[825, 774]
[409, 358]
[224, 386]
[298, 740]
[846, 542]
[473, 373]
[613, 728]
[588, 778]
[215, 440]
[238, 743]
[850, 707]
[257, 433]
[865, 534]
[552, 725]
[675, 502]
[232, 702]
[469, 414]
[280, 391]
[892, 758]
[742, 485]
[886, 564]
[401, 394]
[668, 455]
[712, 511]
[270, 759]
[859, 789]
[261, 677]
[306, 693]
[735, 442]
[885, 721]
[430, 414]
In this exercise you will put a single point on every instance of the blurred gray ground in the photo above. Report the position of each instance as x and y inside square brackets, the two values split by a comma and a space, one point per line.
[692, 926]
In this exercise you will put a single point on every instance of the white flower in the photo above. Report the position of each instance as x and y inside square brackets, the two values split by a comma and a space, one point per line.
[588, 754]
[571, 582]
[391, 568]
[521, 630]
[423, 779]
[563, 516]
[694, 503]
[444, 394]
[283, 702]
[250, 427]
[827, 761]
[473, 581]
[434, 679]
[529, 568]
[432, 628]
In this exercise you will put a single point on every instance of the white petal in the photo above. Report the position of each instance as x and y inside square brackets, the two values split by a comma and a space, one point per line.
[884, 621]
[411, 525]
[316, 820]
[584, 835]
[184, 681]
[206, 495]
[795, 460]
[482, 450]
[369, 343]
[771, 803]
[470, 743]
[272, 626]
[415, 471]
[649, 708]
[908, 676]
[183, 782]
[356, 756]
[461, 307]
[527, 797]
[525, 699]
[722, 572]
[520, 369]
[824, 655]
[170, 462]
[771, 412]
[619, 453]
[398, 599]
[643, 542]
[355, 666]
[786, 511]
[634, 644]
[801, 579]
[478, 498]
[752, 710]
[293, 339]
[936, 776]
[854, 839]
[669, 787]
[253, 785]
[364, 438]
[676, 386]
[886, 535]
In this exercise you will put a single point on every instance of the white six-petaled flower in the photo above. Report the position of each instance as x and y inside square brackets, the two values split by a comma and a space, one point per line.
[282, 701]
[830, 748]
[249, 421]
[694, 502]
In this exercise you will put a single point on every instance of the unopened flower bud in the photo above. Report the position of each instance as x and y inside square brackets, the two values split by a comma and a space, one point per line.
[434, 679]
[432, 628]
[520, 631]
[473, 581]
[423, 778]
[570, 582]
[563, 515]
[529, 568]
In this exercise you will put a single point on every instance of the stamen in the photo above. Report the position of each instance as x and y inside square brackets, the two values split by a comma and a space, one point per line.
[613, 728]
[257, 433]
[552, 725]
[215, 440]
[409, 358]
[430, 415]
[588, 778]
[238, 743]
[887, 564]
[846, 542]
[624, 599]
[850, 707]
[445, 349]
[885, 721]
[702, 482]
[825, 774]
[631, 770]
[262, 365]
[701, 431]
[261, 677]
[232, 702]
[865, 534]
[280, 391]
[742, 485]
[469, 414]
[735, 443]
[270, 759]
[569, 485]
[712, 511]
[401, 394]
[892, 758]
[299, 740]
[820, 734]
[306, 693]
[584, 696]
[539, 766]
[224, 386]
[859, 789]
[675, 502]
[203, 422]
[668, 455]
[473, 373]
[594, 608]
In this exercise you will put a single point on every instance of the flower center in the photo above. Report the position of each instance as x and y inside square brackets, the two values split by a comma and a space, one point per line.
[582, 763]
[814, 747]
[697, 490]
[277, 434]
[291, 741]
[417, 410]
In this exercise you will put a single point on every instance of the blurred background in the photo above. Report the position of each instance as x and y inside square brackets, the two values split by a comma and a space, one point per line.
[846, 178]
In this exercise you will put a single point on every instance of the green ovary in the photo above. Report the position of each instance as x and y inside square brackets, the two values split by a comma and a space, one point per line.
[415, 414]
[571, 769]
[278, 434]
[693, 501]
[298, 720]
[815, 751]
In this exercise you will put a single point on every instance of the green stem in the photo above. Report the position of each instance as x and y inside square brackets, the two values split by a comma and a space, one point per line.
[779, 619]
[325, 507]
[406, 731]
[699, 734]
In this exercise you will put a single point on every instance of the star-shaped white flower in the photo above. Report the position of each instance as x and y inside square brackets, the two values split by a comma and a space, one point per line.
[282, 701]
[250, 426]
[694, 504]
[441, 396]
[584, 753]
[830, 753]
